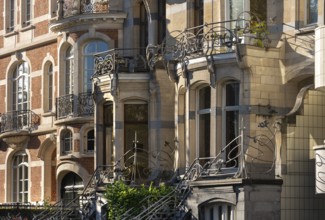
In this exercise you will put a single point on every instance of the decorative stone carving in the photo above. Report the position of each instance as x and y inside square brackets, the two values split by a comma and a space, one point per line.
[17, 141]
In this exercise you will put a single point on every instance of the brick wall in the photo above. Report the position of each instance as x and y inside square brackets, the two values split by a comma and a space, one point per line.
[37, 55]
[41, 28]
[36, 99]
[41, 8]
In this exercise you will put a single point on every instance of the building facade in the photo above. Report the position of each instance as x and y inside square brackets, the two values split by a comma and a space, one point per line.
[228, 95]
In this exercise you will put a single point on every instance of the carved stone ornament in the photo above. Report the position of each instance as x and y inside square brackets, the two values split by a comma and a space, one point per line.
[18, 141]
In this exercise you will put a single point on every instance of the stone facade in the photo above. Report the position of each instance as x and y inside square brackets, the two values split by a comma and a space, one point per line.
[228, 96]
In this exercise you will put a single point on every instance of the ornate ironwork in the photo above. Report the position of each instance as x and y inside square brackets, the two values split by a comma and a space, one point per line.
[119, 60]
[19, 120]
[64, 106]
[83, 102]
[76, 7]
[210, 39]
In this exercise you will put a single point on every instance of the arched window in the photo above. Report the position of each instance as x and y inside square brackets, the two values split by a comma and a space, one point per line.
[10, 15]
[90, 140]
[69, 70]
[203, 122]
[136, 131]
[71, 187]
[231, 121]
[217, 211]
[48, 87]
[20, 177]
[90, 49]
[26, 12]
[66, 141]
[20, 87]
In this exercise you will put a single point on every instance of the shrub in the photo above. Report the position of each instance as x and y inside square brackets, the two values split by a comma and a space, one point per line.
[122, 198]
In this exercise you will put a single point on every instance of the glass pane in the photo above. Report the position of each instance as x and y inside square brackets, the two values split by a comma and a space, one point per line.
[258, 8]
[235, 8]
[204, 138]
[136, 113]
[102, 46]
[231, 134]
[90, 140]
[204, 98]
[136, 127]
[312, 15]
[232, 94]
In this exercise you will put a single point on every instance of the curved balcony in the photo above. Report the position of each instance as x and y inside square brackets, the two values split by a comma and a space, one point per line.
[19, 120]
[209, 41]
[118, 61]
[15, 127]
[72, 13]
[74, 107]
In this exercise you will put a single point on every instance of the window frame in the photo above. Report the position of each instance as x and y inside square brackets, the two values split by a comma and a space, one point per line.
[86, 81]
[229, 108]
[202, 112]
[11, 17]
[90, 140]
[222, 210]
[48, 87]
[20, 189]
[308, 19]
[16, 79]
[26, 13]
[66, 136]
[68, 70]
[127, 123]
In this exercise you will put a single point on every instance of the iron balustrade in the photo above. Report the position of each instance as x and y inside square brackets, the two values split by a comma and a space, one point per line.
[74, 106]
[68, 8]
[18, 120]
[210, 39]
[120, 60]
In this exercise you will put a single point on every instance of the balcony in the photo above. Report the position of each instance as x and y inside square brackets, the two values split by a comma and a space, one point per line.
[69, 8]
[15, 127]
[73, 106]
[210, 40]
[73, 13]
[19, 120]
[120, 60]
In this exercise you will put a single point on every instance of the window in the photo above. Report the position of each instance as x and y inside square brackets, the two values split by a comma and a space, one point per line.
[11, 9]
[161, 20]
[21, 87]
[20, 177]
[66, 141]
[90, 141]
[312, 11]
[136, 129]
[48, 87]
[203, 124]
[234, 8]
[217, 211]
[26, 9]
[230, 122]
[71, 187]
[90, 49]
[68, 71]
[108, 138]
[143, 29]
[198, 13]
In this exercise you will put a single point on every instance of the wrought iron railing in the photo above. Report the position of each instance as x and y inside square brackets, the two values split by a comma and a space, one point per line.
[67, 8]
[74, 106]
[210, 39]
[19, 120]
[120, 60]
[224, 165]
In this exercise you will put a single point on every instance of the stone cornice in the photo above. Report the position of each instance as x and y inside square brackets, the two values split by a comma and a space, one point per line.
[113, 20]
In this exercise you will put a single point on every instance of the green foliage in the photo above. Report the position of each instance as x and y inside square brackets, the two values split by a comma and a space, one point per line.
[122, 198]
